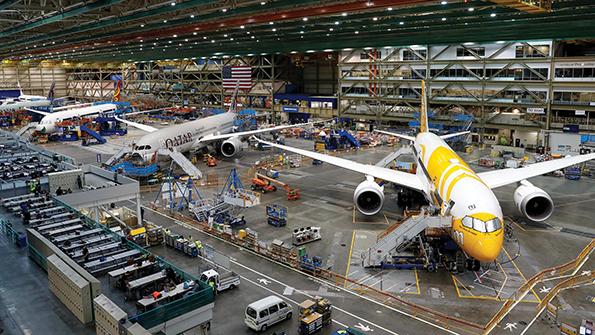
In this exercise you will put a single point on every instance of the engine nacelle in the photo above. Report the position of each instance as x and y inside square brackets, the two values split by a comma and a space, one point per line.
[533, 202]
[368, 197]
[231, 147]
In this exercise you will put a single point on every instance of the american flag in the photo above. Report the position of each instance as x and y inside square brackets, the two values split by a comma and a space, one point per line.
[237, 73]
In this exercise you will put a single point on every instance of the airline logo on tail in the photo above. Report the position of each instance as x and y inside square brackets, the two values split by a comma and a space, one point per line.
[118, 91]
[423, 111]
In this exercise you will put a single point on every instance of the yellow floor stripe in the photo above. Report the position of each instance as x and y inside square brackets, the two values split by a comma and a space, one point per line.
[522, 275]
[349, 259]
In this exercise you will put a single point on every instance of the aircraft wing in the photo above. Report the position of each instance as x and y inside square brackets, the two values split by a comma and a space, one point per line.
[409, 138]
[209, 138]
[393, 176]
[447, 136]
[499, 178]
[36, 111]
[140, 126]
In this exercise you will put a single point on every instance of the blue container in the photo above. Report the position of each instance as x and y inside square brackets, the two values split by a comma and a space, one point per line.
[21, 240]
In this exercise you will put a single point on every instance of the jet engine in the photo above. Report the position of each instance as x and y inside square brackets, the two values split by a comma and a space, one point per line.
[368, 196]
[231, 147]
[533, 202]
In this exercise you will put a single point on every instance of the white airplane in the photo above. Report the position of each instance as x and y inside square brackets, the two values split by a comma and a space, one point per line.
[24, 101]
[47, 124]
[194, 135]
[452, 186]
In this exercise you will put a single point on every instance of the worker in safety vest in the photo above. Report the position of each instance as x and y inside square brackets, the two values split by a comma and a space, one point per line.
[198, 245]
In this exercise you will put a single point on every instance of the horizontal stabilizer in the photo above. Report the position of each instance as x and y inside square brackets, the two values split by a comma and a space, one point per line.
[447, 136]
[409, 138]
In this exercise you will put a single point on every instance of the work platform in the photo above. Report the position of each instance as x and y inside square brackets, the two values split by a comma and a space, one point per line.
[400, 235]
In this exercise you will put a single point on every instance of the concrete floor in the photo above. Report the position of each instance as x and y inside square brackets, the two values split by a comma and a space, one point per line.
[327, 202]
[26, 304]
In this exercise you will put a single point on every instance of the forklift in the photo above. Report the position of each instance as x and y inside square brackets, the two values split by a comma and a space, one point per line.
[314, 314]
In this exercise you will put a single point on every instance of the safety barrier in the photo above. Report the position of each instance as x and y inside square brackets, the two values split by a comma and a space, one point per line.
[545, 274]
[568, 283]
[8, 231]
[174, 309]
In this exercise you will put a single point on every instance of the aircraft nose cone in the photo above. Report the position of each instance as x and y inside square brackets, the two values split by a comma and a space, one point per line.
[488, 248]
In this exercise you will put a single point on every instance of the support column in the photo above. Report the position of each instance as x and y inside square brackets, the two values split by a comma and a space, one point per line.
[139, 220]
[273, 114]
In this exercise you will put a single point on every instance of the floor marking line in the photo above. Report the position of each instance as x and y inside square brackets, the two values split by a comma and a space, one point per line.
[417, 281]
[522, 275]
[349, 258]
[310, 296]
[183, 224]
[284, 297]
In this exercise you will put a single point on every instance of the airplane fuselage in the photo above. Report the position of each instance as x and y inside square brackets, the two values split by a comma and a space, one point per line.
[477, 225]
[16, 105]
[182, 137]
[47, 124]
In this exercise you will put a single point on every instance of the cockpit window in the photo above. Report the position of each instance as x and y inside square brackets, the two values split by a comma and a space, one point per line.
[468, 222]
[493, 225]
[481, 226]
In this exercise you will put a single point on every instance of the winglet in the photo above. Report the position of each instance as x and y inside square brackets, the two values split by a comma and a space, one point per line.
[406, 137]
[447, 136]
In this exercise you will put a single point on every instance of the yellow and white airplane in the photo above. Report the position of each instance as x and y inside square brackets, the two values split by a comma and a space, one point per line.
[451, 185]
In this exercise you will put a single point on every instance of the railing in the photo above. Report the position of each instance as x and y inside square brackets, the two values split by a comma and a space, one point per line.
[587, 277]
[545, 274]
[8, 231]
[174, 309]
[406, 215]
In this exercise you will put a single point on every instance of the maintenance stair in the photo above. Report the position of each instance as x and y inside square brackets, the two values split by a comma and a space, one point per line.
[397, 237]
[26, 128]
[183, 162]
[116, 157]
[100, 139]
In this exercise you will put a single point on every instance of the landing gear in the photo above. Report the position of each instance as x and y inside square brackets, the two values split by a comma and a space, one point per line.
[472, 264]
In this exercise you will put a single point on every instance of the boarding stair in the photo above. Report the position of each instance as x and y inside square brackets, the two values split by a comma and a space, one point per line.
[352, 140]
[30, 125]
[93, 134]
[397, 237]
[183, 162]
[116, 157]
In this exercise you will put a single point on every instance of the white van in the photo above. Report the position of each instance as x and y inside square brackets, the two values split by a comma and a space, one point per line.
[266, 312]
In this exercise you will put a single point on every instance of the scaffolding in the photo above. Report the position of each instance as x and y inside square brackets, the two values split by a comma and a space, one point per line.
[193, 82]
[482, 80]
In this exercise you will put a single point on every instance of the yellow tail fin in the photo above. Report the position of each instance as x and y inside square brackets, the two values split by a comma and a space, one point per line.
[118, 91]
[423, 111]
